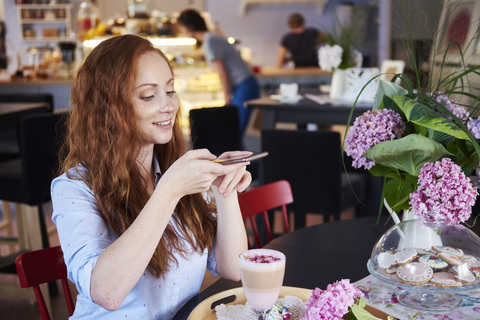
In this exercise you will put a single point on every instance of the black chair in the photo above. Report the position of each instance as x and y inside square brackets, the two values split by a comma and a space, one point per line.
[26, 181]
[311, 162]
[9, 144]
[216, 129]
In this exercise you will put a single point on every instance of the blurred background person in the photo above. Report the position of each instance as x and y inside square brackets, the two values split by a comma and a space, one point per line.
[300, 44]
[238, 82]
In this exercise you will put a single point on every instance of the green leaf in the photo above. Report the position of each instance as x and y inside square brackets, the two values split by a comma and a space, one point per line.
[388, 89]
[408, 154]
[397, 193]
[438, 136]
[360, 313]
[423, 115]
[389, 103]
[361, 302]
[379, 170]
[464, 155]
[410, 179]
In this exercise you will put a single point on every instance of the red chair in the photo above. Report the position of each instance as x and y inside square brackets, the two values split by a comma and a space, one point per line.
[260, 200]
[42, 266]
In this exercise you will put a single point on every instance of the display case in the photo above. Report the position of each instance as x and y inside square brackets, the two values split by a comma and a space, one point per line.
[44, 22]
[432, 262]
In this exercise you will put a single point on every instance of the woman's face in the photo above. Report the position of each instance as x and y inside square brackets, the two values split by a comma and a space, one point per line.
[155, 101]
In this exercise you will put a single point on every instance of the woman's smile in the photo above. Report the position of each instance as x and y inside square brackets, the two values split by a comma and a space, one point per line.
[163, 123]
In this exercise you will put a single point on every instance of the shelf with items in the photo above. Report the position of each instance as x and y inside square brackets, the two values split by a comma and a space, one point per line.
[44, 22]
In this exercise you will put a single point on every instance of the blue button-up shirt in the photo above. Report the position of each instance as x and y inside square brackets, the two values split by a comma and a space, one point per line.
[84, 235]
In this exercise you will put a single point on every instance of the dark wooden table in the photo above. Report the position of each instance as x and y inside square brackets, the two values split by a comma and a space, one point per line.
[316, 256]
[11, 112]
[305, 111]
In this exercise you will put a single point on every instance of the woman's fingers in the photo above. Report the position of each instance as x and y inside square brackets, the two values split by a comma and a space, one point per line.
[238, 180]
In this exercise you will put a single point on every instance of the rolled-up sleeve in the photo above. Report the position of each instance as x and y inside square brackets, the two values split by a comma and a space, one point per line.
[212, 260]
[82, 231]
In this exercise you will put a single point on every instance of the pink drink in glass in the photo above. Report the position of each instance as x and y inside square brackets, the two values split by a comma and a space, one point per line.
[262, 272]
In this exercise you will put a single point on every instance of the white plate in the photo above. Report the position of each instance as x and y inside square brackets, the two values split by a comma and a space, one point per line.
[203, 311]
[286, 100]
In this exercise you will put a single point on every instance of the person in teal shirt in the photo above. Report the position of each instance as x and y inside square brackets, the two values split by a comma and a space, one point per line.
[238, 82]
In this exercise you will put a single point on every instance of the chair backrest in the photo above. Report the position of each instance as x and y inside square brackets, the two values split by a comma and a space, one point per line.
[311, 162]
[216, 129]
[41, 266]
[262, 199]
[9, 131]
[40, 138]
[27, 97]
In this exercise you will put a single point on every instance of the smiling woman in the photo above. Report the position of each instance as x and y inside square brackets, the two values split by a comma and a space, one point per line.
[129, 205]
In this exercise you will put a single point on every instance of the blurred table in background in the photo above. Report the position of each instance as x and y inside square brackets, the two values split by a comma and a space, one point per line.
[10, 112]
[269, 78]
[306, 111]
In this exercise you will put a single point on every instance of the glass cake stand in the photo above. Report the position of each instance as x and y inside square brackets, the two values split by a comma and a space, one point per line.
[424, 236]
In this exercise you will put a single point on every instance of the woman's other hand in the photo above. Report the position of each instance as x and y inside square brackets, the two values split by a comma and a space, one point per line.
[237, 180]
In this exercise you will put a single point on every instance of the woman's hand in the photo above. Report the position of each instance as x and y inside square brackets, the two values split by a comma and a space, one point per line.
[195, 172]
[237, 180]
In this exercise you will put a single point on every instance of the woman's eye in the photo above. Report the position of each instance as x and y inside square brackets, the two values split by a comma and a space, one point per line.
[148, 98]
[171, 93]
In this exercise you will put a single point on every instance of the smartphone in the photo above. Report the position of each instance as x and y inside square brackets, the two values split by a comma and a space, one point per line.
[252, 157]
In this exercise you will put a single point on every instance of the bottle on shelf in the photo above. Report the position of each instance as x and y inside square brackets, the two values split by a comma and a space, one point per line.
[87, 18]
[138, 9]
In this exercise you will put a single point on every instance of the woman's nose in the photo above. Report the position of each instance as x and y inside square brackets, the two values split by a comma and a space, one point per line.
[167, 106]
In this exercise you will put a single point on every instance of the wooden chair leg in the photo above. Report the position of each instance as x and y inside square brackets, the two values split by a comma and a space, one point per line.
[31, 224]
[22, 227]
[6, 224]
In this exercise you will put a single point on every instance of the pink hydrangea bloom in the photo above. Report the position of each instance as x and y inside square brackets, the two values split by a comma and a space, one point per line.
[333, 302]
[474, 126]
[443, 188]
[459, 111]
[369, 129]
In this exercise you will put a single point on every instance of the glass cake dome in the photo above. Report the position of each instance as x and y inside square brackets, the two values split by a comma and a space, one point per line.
[430, 261]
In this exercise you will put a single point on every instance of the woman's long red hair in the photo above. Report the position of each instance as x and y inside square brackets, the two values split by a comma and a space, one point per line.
[104, 138]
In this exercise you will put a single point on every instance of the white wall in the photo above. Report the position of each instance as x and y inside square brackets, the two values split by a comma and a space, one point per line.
[2, 12]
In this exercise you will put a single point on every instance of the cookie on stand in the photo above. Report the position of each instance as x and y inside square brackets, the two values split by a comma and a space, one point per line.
[445, 279]
[415, 273]
[433, 261]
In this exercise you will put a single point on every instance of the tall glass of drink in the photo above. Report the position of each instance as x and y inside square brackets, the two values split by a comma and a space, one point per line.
[262, 272]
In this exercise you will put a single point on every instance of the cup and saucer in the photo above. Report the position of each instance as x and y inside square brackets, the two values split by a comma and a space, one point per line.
[288, 93]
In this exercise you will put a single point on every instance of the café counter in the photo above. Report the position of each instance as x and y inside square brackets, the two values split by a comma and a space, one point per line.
[270, 78]
[59, 88]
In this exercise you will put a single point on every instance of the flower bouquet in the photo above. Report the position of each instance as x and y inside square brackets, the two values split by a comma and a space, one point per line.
[424, 139]
[421, 145]
[337, 55]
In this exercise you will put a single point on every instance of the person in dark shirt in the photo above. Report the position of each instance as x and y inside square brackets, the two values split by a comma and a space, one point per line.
[300, 44]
